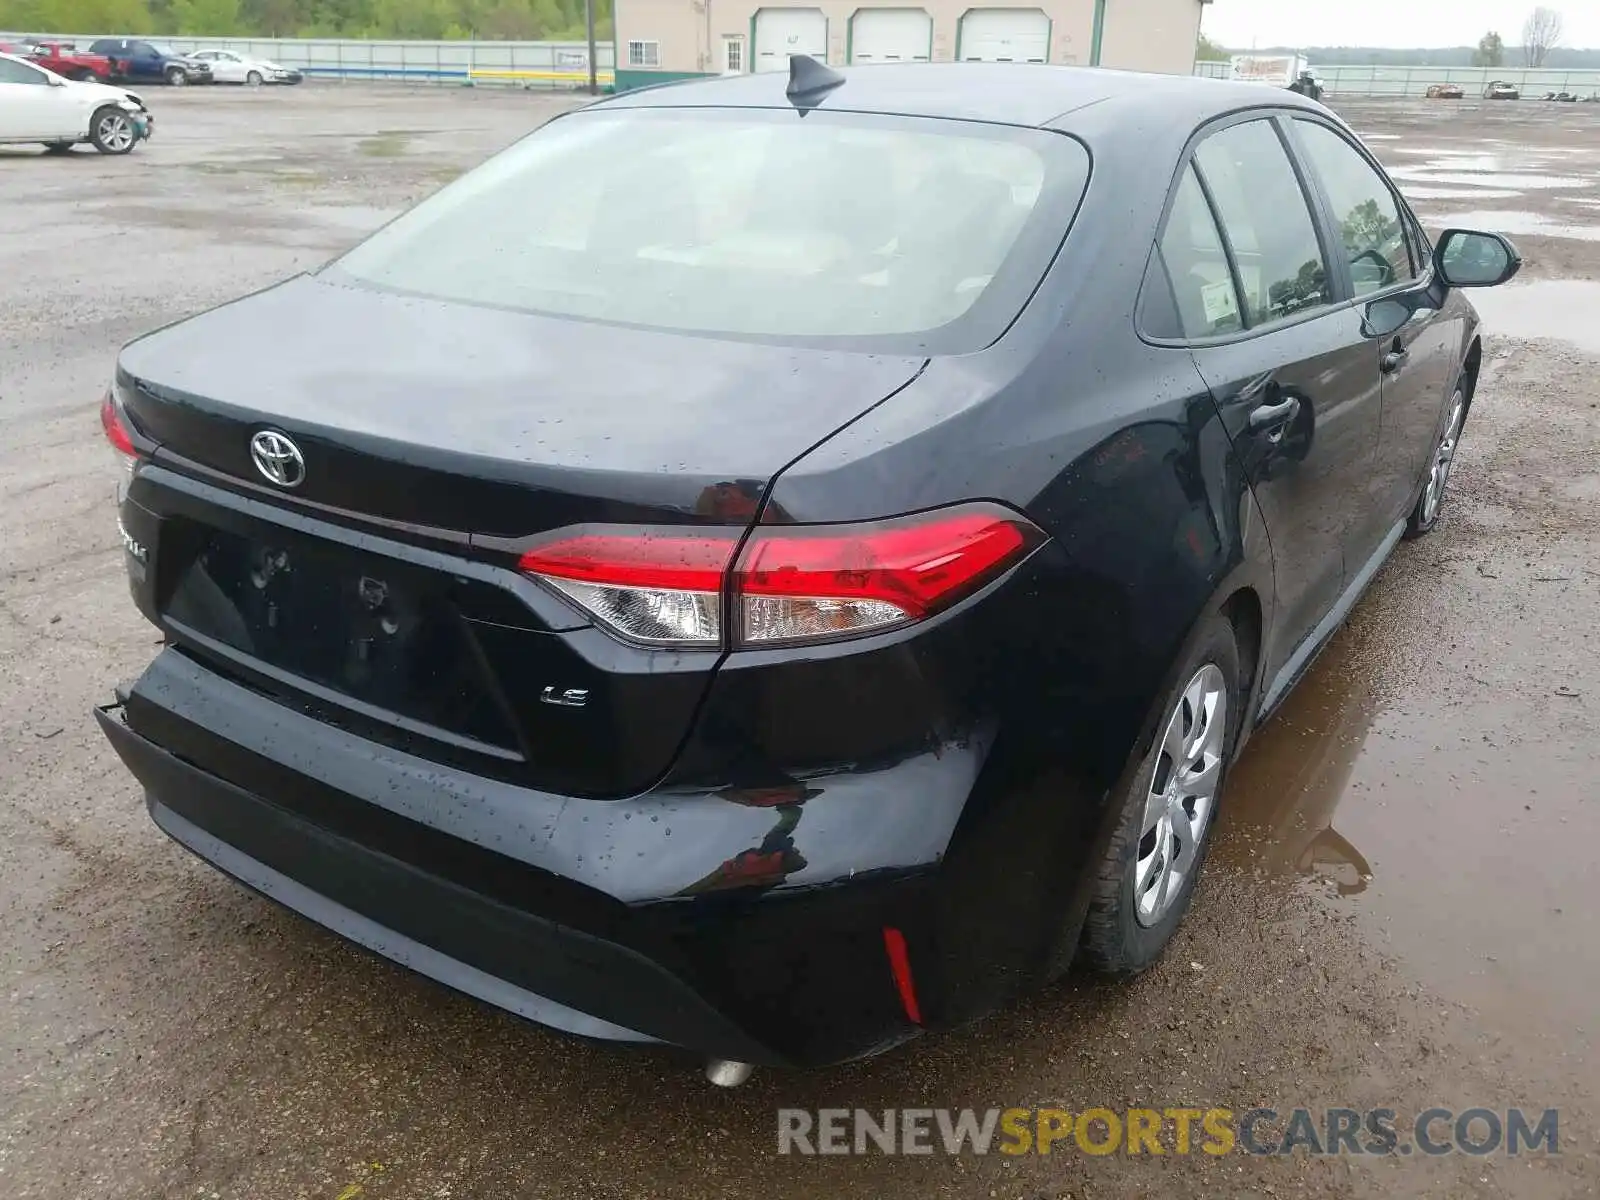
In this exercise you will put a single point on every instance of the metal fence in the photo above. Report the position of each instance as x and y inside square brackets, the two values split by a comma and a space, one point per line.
[1415, 81]
[566, 65]
[524, 64]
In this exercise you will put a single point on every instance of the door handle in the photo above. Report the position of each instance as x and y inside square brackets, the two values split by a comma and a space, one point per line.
[1274, 416]
[1394, 360]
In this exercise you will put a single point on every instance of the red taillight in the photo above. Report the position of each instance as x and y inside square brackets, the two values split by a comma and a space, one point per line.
[796, 585]
[653, 586]
[686, 562]
[790, 584]
[116, 428]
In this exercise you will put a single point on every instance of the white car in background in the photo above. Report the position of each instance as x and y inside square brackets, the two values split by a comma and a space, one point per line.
[37, 105]
[232, 66]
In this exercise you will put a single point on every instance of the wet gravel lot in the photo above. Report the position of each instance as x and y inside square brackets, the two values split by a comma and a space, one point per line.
[1398, 911]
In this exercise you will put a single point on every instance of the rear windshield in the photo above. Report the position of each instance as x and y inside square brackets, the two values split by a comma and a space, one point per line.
[874, 232]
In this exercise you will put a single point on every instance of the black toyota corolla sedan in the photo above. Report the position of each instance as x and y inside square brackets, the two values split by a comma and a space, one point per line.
[776, 565]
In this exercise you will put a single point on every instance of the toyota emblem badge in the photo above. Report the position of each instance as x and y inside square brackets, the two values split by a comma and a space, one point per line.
[278, 458]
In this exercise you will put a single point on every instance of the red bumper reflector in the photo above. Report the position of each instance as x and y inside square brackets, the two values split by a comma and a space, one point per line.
[894, 944]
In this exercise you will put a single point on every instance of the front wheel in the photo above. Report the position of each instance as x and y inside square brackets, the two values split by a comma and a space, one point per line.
[177, 77]
[253, 79]
[111, 131]
[1147, 877]
[1425, 515]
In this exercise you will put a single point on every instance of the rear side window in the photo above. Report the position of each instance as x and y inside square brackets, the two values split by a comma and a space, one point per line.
[1206, 302]
[1268, 221]
[881, 233]
[1371, 228]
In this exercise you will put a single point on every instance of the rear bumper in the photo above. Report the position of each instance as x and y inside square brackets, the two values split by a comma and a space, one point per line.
[500, 955]
[752, 973]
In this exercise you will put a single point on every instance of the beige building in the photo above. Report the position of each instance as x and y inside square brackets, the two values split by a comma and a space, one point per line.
[660, 40]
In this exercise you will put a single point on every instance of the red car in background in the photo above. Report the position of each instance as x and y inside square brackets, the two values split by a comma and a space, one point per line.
[64, 59]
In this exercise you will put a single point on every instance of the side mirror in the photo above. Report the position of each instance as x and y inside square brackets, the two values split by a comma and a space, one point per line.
[56, 80]
[1466, 258]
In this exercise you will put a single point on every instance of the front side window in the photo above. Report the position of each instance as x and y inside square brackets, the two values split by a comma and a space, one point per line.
[1371, 227]
[1268, 221]
[866, 231]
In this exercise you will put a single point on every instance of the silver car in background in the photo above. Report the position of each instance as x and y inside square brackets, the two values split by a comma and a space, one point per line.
[234, 66]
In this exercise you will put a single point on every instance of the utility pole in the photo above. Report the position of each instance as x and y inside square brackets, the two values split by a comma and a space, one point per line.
[588, 20]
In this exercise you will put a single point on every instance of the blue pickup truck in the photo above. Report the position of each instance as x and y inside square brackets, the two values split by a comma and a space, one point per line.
[136, 61]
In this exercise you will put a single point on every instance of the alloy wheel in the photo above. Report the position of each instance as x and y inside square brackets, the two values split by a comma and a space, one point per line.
[1182, 795]
[1443, 458]
[116, 132]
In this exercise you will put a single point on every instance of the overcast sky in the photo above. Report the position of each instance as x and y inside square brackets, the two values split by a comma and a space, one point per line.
[1398, 23]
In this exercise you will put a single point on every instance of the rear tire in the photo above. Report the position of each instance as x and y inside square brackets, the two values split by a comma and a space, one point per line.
[1169, 808]
[111, 131]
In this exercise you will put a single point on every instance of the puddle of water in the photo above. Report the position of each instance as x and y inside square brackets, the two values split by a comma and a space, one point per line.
[1511, 222]
[1439, 812]
[1444, 193]
[1553, 308]
[391, 143]
[1443, 172]
[1470, 162]
[1521, 152]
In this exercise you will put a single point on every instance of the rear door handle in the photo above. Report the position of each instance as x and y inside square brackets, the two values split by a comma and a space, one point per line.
[1274, 416]
[1395, 359]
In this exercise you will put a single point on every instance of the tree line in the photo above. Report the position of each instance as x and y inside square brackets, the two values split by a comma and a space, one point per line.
[1495, 54]
[512, 20]
[1542, 34]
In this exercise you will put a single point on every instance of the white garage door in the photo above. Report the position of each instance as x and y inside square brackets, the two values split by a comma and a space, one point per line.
[781, 32]
[879, 35]
[1005, 35]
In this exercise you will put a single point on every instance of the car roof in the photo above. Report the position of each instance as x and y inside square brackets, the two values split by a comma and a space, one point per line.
[1002, 93]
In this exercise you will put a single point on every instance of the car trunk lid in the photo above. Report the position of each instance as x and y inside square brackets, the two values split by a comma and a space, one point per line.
[436, 439]
[506, 424]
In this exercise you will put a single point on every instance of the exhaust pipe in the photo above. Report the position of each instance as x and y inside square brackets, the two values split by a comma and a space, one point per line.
[725, 1073]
